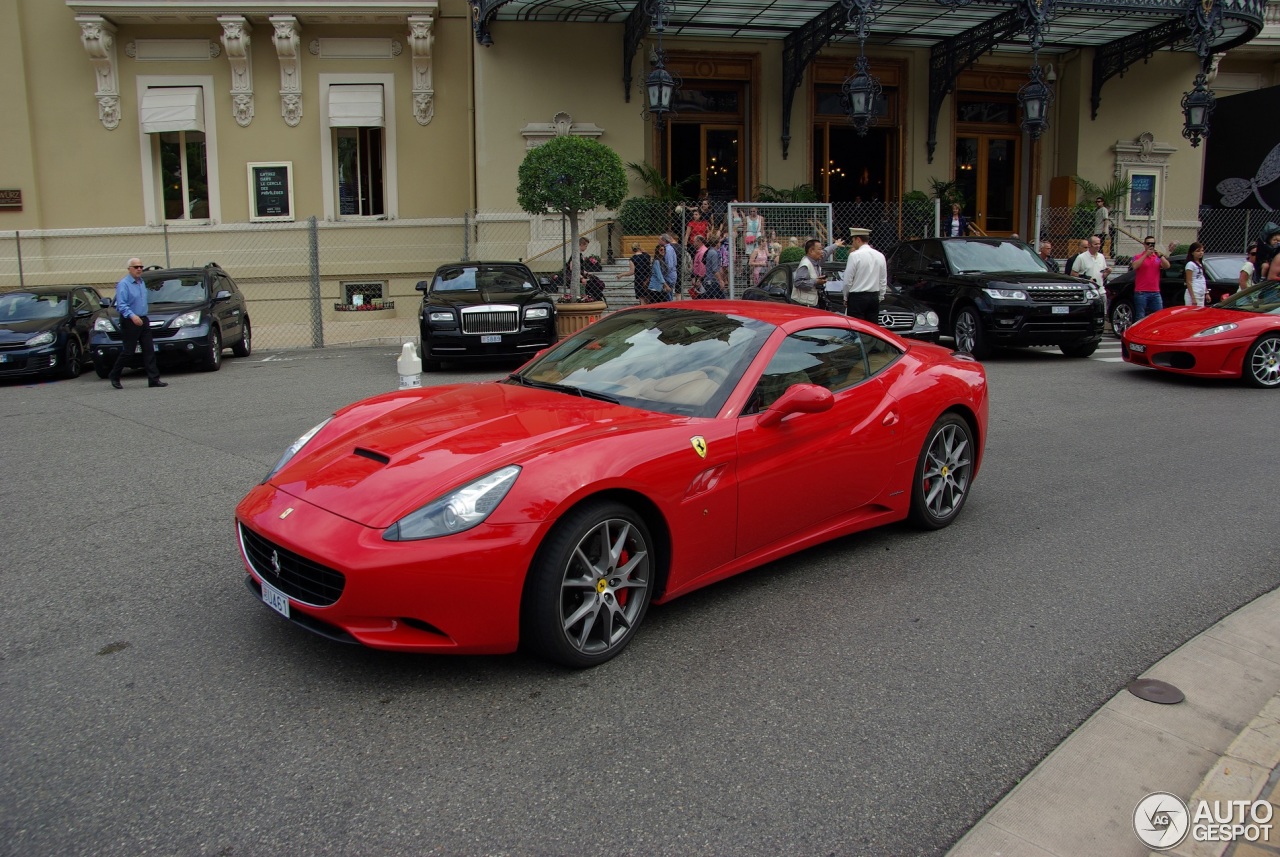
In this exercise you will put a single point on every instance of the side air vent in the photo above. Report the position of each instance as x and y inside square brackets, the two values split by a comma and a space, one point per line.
[371, 455]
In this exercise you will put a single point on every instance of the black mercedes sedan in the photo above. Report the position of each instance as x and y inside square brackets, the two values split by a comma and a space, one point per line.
[45, 330]
[997, 291]
[484, 310]
[899, 313]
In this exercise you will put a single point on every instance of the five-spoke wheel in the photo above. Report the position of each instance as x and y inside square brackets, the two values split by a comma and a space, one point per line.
[590, 585]
[1262, 362]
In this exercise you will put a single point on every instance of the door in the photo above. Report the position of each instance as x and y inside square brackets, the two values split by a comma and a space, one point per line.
[709, 153]
[229, 311]
[987, 171]
[812, 467]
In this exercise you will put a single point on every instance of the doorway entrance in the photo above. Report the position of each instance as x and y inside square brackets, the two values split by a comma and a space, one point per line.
[709, 156]
[987, 172]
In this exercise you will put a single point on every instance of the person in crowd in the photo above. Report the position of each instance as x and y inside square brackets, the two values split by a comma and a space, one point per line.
[759, 262]
[1147, 266]
[714, 280]
[696, 226]
[1101, 220]
[1248, 270]
[1081, 247]
[1194, 277]
[671, 264]
[808, 282]
[657, 289]
[1092, 264]
[957, 224]
[865, 278]
[639, 267]
[1046, 256]
[1271, 268]
[135, 327]
[775, 247]
[752, 232]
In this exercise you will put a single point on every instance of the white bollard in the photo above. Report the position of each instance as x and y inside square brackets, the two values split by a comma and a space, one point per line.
[409, 365]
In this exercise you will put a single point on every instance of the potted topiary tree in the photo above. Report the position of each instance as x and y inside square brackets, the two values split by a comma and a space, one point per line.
[569, 175]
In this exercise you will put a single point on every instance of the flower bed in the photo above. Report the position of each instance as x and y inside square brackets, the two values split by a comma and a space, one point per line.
[366, 306]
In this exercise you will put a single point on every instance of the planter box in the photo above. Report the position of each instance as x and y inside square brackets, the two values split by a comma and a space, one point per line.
[572, 317]
[646, 242]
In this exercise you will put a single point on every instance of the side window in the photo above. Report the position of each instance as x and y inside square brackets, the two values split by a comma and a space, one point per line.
[902, 260]
[829, 357]
[79, 300]
[777, 279]
[932, 252]
[358, 146]
[179, 151]
[879, 352]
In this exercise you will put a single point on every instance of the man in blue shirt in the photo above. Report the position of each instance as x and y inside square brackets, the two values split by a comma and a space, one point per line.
[671, 264]
[135, 328]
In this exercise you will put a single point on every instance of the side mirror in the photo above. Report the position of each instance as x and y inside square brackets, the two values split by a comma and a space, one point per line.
[83, 313]
[105, 303]
[798, 399]
[422, 285]
[223, 295]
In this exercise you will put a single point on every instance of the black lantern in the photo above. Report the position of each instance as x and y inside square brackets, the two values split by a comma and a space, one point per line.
[860, 97]
[1197, 107]
[1035, 96]
[660, 85]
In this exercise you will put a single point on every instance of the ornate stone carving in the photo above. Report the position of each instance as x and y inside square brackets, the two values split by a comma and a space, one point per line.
[287, 39]
[313, 47]
[235, 39]
[537, 133]
[98, 35]
[421, 41]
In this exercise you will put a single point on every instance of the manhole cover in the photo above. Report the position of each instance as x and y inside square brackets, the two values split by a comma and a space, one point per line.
[1154, 690]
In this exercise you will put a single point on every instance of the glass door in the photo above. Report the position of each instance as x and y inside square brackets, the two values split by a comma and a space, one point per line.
[710, 155]
[987, 171]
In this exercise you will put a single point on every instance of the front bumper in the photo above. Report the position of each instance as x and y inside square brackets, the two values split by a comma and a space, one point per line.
[1029, 323]
[455, 345]
[1213, 357]
[452, 595]
[29, 361]
[181, 345]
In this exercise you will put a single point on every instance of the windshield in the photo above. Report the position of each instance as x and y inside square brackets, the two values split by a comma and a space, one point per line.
[992, 255]
[177, 290]
[24, 306]
[496, 278]
[674, 361]
[1262, 298]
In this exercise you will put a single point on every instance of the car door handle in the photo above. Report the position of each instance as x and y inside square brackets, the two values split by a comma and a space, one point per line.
[890, 419]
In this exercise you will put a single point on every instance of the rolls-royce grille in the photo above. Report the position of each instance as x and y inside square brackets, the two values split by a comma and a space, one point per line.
[491, 321]
[294, 575]
[897, 320]
[1054, 295]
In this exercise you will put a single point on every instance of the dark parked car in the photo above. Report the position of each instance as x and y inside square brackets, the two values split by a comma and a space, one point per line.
[194, 314]
[997, 291]
[899, 313]
[45, 330]
[1221, 274]
[484, 310]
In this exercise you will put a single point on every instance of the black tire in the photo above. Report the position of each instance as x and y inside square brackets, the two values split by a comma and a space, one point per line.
[1122, 314]
[590, 585]
[73, 359]
[967, 331]
[1079, 349]
[1262, 363]
[244, 347]
[212, 360]
[943, 474]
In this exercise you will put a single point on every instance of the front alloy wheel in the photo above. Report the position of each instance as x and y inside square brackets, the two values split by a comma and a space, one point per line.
[73, 359]
[590, 585]
[213, 358]
[943, 474]
[1121, 317]
[1262, 363]
[968, 333]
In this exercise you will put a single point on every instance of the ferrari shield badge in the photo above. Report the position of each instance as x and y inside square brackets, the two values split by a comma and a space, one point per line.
[699, 445]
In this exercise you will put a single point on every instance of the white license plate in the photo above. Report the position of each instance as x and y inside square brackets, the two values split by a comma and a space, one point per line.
[137, 349]
[1061, 310]
[4, 358]
[490, 339]
[275, 599]
[1133, 346]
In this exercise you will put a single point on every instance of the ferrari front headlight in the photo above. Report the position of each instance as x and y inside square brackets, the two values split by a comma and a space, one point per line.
[1221, 328]
[294, 448]
[459, 510]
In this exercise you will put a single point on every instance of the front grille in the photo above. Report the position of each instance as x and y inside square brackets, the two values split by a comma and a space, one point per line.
[491, 320]
[1055, 294]
[897, 320]
[13, 346]
[294, 575]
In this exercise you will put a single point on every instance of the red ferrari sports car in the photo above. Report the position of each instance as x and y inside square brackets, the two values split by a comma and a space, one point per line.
[1237, 338]
[661, 449]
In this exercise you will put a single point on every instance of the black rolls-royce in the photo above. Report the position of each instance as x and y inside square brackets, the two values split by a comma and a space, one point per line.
[484, 310]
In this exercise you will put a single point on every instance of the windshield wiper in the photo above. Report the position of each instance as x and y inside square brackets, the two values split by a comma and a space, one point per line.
[561, 388]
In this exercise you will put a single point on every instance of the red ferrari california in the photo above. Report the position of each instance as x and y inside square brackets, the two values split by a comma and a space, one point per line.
[1237, 338]
[661, 449]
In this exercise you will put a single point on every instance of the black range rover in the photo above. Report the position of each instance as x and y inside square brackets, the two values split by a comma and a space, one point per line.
[476, 310]
[996, 291]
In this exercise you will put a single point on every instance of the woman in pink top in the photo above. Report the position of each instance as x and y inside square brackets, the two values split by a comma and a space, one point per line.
[1147, 266]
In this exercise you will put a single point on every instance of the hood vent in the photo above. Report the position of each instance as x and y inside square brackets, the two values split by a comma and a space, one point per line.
[371, 455]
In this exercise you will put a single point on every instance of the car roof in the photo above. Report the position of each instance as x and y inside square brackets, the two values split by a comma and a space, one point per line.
[46, 290]
[481, 264]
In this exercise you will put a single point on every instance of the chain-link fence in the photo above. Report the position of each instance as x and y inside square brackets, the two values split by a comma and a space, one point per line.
[1220, 230]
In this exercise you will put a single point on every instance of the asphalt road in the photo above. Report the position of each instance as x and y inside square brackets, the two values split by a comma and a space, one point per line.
[872, 696]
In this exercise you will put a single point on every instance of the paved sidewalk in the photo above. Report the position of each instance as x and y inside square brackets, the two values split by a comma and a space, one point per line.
[1221, 743]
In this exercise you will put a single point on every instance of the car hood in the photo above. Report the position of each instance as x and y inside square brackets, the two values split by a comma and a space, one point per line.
[1022, 278]
[1180, 323]
[897, 300]
[20, 331]
[385, 457]
[487, 296]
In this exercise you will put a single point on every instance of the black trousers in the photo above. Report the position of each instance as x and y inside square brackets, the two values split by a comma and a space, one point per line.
[133, 336]
[863, 305]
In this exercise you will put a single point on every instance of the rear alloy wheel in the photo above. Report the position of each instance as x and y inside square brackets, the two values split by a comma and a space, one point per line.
[943, 474]
[1262, 362]
[1079, 349]
[213, 357]
[244, 347]
[968, 333]
[1121, 317]
[72, 359]
[590, 585]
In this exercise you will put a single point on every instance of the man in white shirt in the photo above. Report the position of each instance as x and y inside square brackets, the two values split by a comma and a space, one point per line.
[1092, 264]
[866, 278]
